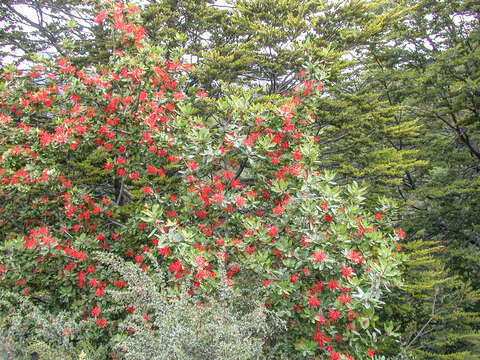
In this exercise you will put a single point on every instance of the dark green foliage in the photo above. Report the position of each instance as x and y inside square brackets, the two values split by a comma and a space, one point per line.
[428, 66]
[433, 309]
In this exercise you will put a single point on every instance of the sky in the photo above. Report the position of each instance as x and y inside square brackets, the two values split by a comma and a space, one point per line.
[31, 14]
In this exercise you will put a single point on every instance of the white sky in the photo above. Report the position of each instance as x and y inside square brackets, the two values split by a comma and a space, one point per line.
[32, 15]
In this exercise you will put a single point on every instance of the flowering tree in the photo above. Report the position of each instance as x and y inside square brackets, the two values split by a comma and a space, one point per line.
[126, 160]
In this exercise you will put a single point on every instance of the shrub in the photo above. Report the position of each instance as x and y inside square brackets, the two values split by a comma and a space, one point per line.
[128, 161]
[172, 327]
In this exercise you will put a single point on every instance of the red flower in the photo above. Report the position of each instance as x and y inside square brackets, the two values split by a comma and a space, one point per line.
[236, 184]
[95, 311]
[227, 175]
[202, 94]
[273, 231]
[201, 261]
[370, 353]
[344, 299]
[355, 256]
[218, 198]
[401, 234]
[278, 210]
[102, 15]
[267, 282]
[297, 155]
[319, 256]
[333, 315]
[175, 266]
[165, 251]
[250, 249]
[200, 275]
[327, 218]
[347, 272]
[193, 165]
[334, 355]
[240, 201]
[101, 322]
[171, 213]
[332, 284]
[249, 141]
[313, 301]
[173, 158]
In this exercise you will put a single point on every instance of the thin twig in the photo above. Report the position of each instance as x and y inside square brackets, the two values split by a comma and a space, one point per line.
[120, 193]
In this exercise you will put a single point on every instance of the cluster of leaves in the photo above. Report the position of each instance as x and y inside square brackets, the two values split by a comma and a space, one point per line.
[125, 159]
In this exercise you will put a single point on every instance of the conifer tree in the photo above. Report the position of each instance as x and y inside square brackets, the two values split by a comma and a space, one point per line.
[29, 28]
[428, 67]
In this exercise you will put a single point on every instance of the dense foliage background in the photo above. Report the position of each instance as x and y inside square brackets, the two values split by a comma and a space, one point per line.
[398, 114]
